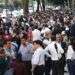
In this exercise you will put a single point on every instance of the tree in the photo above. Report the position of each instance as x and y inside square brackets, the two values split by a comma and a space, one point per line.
[58, 2]
[25, 5]
[39, 2]
[43, 5]
[17, 4]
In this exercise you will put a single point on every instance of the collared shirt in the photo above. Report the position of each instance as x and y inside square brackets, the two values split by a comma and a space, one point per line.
[54, 54]
[26, 52]
[46, 42]
[36, 35]
[69, 52]
[38, 57]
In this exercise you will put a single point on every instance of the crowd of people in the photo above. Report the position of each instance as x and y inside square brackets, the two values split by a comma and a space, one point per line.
[38, 43]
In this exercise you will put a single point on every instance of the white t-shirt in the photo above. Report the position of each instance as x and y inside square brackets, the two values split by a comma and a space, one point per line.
[69, 52]
[38, 57]
[36, 35]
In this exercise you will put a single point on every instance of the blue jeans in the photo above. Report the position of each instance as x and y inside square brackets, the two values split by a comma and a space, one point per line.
[71, 67]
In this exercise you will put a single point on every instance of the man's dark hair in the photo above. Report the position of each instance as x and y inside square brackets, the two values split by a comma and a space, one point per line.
[36, 27]
[25, 36]
[53, 38]
[39, 42]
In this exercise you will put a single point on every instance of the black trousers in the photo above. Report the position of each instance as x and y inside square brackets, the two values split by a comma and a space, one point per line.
[55, 70]
[58, 67]
[48, 66]
[61, 65]
[27, 66]
[39, 70]
[71, 66]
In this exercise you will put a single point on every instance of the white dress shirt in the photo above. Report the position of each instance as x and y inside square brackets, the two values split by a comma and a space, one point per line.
[69, 52]
[54, 54]
[38, 57]
[46, 42]
[36, 35]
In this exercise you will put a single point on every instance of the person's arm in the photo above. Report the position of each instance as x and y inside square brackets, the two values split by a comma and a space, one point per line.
[46, 51]
[47, 54]
[33, 67]
[60, 48]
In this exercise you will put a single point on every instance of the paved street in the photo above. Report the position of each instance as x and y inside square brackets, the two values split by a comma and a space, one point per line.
[9, 72]
[66, 73]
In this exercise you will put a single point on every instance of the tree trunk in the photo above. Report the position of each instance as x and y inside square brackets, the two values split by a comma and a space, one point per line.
[38, 4]
[43, 5]
[25, 4]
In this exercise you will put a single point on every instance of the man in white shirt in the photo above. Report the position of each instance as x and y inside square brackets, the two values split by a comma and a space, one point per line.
[62, 61]
[36, 34]
[56, 54]
[38, 58]
[46, 41]
[47, 36]
[70, 59]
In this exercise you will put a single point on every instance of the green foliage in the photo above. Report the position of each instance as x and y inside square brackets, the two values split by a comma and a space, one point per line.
[57, 2]
[17, 4]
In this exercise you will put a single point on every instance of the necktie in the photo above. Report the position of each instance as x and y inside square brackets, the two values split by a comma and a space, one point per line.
[56, 47]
